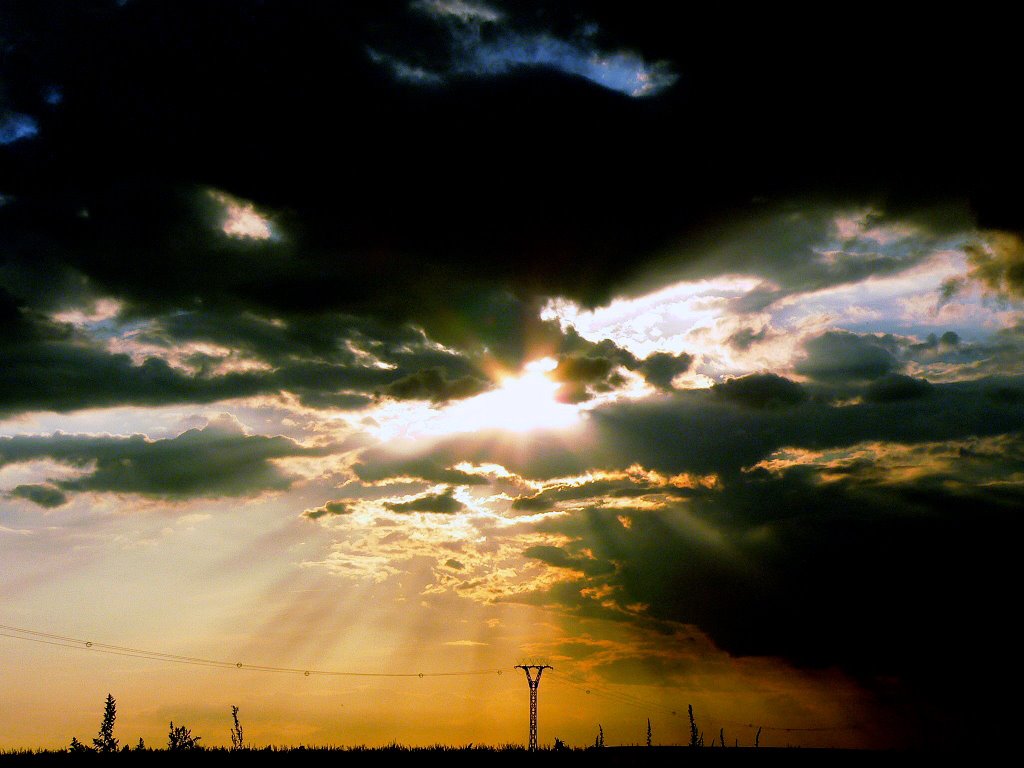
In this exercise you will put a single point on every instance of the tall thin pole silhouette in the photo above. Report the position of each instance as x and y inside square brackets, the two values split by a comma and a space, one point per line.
[534, 684]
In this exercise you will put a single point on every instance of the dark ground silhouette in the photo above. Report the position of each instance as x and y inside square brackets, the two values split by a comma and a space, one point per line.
[314, 757]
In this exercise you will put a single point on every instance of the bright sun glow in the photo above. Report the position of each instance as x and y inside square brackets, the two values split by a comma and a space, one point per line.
[521, 403]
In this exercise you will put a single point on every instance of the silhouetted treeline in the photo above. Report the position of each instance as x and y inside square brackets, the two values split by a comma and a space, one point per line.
[469, 755]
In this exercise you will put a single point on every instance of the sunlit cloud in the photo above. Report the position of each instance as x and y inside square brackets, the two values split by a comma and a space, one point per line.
[973, 462]
[99, 312]
[241, 219]
[909, 297]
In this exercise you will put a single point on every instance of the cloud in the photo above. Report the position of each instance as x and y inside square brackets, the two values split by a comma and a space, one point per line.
[838, 357]
[557, 557]
[329, 509]
[49, 367]
[483, 42]
[896, 386]
[405, 72]
[440, 503]
[764, 390]
[15, 126]
[997, 262]
[431, 384]
[216, 461]
[202, 357]
[750, 581]
[241, 219]
[45, 495]
[703, 433]
[660, 368]
[465, 12]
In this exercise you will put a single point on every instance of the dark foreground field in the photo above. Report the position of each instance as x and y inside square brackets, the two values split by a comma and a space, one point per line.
[626, 757]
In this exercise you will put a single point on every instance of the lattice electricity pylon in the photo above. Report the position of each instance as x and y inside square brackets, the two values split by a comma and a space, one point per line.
[534, 683]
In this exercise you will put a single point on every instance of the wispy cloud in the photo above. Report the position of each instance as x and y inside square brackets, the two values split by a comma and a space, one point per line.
[15, 126]
[484, 43]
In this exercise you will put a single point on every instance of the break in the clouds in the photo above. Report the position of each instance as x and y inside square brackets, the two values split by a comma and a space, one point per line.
[483, 41]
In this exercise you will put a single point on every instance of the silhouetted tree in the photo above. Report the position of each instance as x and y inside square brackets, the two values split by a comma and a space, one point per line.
[78, 747]
[599, 741]
[757, 737]
[180, 739]
[694, 740]
[105, 741]
[141, 745]
[648, 731]
[236, 731]
[559, 745]
[721, 736]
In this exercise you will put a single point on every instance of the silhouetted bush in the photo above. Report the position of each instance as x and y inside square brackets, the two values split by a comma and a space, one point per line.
[180, 739]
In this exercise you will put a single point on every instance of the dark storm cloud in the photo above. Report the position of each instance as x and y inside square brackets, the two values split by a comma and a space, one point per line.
[744, 338]
[47, 496]
[218, 460]
[443, 503]
[660, 368]
[432, 384]
[896, 386]
[426, 469]
[538, 503]
[840, 574]
[586, 367]
[47, 366]
[557, 557]
[761, 390]
[329, 509]
[369, 220]
[838, 357]
[329, 362]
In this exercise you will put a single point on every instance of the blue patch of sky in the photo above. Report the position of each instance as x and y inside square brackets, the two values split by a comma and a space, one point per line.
[15, 126]
[53, 96]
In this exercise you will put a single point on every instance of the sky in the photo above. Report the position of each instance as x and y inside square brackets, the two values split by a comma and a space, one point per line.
[681, 352]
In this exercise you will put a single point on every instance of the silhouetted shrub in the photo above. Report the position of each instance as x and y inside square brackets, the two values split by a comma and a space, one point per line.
[237, 741]
[180, 739]
[77, 747]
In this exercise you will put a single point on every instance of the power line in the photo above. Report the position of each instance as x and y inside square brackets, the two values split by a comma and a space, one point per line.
[574, 680]
[626, 698]
[620, 697]
[64, 641]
